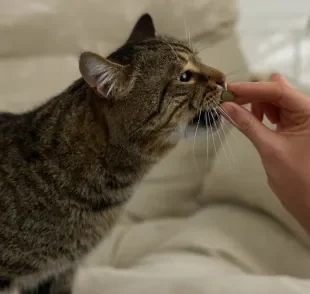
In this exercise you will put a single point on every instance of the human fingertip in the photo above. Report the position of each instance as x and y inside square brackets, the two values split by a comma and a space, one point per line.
[248, 124]
[229, 108]
[275, 76]
[233, 85]
[278, 77]
[234, 88]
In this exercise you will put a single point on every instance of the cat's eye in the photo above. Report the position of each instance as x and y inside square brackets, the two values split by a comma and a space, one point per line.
[185, 76]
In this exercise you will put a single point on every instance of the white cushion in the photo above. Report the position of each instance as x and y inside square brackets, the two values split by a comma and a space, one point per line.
[228, 239]
[53, 27]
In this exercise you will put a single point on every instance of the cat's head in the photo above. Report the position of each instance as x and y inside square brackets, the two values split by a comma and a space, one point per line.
[150, 87]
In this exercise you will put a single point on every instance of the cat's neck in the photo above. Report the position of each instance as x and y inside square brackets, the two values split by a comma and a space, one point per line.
[87, 127]
[73, 137]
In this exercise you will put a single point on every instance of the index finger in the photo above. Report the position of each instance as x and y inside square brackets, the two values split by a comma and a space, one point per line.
[269, 92]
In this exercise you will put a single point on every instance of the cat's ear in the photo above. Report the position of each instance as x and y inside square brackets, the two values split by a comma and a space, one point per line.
[143, 29]
[109, 79]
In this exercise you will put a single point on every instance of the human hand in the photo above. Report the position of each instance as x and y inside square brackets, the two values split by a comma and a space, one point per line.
[285, 151]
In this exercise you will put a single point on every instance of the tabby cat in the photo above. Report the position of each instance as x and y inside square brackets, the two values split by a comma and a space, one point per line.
[67, 166]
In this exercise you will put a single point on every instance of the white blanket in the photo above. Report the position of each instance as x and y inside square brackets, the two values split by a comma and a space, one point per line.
[233, 237]
[49, 27]
[175, 237]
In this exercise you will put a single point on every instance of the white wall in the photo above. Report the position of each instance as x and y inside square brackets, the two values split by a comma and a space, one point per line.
[270, 31]
[275, 8]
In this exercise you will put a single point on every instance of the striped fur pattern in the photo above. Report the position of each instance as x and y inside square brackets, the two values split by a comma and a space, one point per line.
[68, 166]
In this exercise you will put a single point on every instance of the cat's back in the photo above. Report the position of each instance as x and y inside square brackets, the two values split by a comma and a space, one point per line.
[43, 222]
[13, 123]
[7, 117]
[8, 123]
[15, 131]
[13, 138]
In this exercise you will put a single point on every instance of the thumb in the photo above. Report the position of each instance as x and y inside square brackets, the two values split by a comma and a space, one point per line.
[261, 136]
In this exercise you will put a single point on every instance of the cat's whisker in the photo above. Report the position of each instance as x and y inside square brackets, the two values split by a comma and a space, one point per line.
[217, 109]
[169, 45]
[196, 46]
[207, 46]
[244, 67]
[188, 35]
[222, 125]
[207, 136]
[189, 38]
[218, 134]
[227, 116]
[194, 140]
[222, 110]
[185, 132]
[213, 140]
[186, 31]
[226, 139]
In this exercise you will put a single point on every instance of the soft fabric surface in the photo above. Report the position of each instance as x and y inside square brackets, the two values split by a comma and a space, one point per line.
[67, 27]
[195, 225]
[234, 237]
[41, 39]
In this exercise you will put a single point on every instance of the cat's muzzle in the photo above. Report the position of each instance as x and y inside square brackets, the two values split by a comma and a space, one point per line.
[207, 119]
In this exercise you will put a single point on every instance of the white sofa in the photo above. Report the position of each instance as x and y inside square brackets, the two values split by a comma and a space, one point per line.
[199, 222]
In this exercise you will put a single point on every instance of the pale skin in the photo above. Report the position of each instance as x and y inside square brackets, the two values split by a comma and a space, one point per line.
[285, 152]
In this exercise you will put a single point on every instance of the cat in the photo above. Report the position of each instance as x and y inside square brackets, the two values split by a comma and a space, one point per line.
[68, 166]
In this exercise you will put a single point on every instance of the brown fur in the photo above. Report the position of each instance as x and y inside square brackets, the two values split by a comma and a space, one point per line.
[67, 166]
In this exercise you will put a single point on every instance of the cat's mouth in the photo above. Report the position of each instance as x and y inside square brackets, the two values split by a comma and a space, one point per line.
[206, 119]
[209, 118]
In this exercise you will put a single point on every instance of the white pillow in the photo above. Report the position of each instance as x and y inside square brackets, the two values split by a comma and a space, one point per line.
[61, 27]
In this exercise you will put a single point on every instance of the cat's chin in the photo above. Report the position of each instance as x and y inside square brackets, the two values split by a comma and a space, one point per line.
[203, 122]
[207, 119]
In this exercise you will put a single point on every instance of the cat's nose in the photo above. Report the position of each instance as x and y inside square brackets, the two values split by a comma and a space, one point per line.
[219, 78]
[216, 76]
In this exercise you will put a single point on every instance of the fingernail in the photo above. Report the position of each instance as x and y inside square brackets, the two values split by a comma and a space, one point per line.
[227, 96]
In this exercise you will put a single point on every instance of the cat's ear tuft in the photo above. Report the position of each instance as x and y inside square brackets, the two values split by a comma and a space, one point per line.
[143, 29]
[107, 77]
